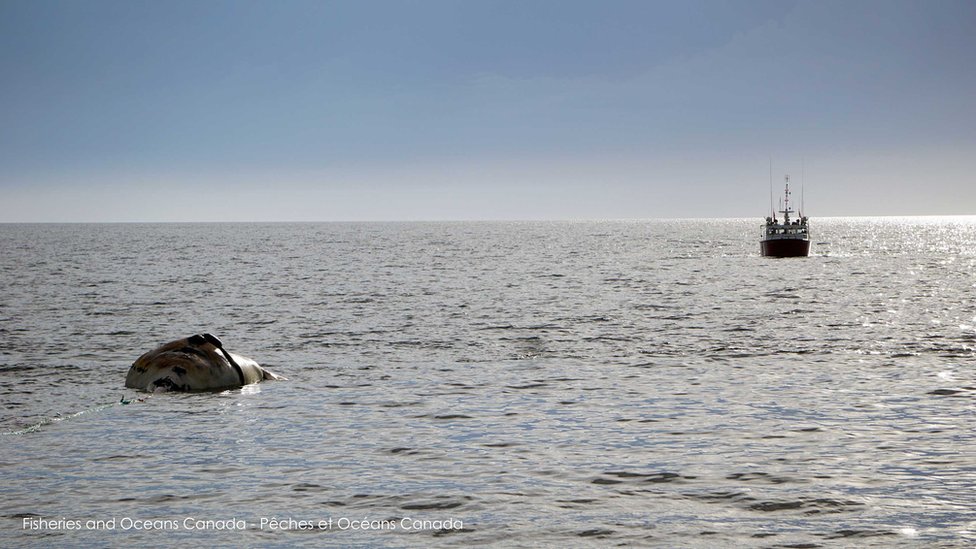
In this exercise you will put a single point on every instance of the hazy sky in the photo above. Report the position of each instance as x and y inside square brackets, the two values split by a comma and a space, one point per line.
[466, 109]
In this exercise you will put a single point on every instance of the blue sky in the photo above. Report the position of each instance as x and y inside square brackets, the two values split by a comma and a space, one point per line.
[425, 109]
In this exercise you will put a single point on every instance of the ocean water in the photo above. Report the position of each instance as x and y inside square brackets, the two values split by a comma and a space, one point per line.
[641, 383]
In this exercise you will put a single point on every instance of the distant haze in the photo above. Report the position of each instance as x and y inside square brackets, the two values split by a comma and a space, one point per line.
[440, 109]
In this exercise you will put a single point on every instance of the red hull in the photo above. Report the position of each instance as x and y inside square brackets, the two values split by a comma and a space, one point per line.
[785, 247]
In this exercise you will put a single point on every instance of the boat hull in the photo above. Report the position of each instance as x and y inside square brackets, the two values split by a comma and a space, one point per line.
[785, 247]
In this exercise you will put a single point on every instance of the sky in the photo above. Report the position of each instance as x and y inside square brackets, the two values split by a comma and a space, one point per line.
[362, 110]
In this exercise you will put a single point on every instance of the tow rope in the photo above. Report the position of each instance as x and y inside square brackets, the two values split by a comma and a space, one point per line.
[58, 418]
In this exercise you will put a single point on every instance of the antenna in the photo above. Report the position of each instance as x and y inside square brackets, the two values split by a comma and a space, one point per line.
[771, 210]
[803, 206]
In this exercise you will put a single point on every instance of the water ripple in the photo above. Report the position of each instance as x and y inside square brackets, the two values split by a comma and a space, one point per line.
[646, 383]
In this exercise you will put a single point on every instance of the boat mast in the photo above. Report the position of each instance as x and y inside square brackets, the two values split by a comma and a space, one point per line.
[786, 202]
[772, 212]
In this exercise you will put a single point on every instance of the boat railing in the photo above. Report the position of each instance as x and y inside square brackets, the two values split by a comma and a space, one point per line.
[777, 230]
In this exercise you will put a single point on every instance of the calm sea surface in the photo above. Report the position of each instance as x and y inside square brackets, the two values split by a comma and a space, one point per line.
[646, 383]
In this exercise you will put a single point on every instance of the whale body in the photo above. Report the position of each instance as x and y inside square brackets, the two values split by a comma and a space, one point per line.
[195, 363]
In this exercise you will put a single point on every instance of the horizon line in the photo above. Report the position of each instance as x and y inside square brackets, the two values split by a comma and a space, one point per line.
[472, 220]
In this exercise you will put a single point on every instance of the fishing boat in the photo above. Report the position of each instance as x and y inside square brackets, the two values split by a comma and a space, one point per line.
[789, 237]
